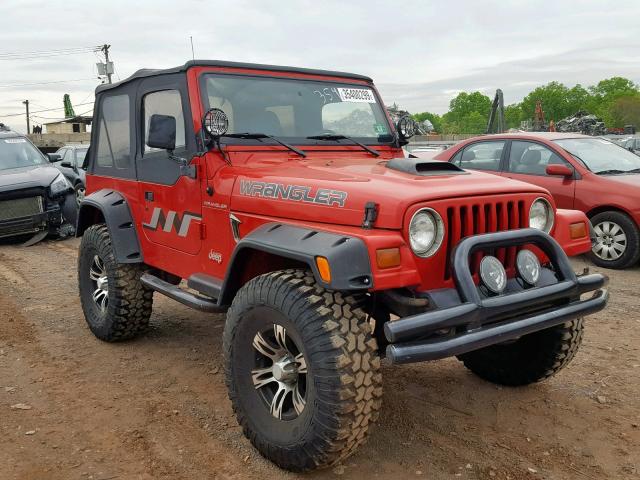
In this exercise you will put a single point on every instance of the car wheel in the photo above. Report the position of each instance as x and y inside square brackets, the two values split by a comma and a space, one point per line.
[80, 192]
[302, 369]
[116, 304]
[529, 359]
[617, 240]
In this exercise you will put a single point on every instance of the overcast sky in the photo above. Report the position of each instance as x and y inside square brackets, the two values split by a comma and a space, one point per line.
[419, 53]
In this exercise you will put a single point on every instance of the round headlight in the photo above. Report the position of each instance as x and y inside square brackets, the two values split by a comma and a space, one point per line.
[541, 215]
[426, 231]
[493, 274]
[528, 266]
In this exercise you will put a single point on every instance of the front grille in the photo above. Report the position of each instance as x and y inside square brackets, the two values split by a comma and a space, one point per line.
[20, 207]
[486, 216]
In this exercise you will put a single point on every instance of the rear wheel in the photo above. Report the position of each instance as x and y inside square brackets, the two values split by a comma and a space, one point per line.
[617, 240]
[302, 370]
[116, 305]
[529, 359]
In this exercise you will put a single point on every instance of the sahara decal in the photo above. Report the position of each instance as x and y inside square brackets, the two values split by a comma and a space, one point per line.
[296, 193]
[172, 221]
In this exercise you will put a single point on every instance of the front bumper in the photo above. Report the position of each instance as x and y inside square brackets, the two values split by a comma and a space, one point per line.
[468, 320]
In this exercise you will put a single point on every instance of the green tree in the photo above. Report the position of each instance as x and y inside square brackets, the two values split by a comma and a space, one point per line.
[513, 115]
[578, 98]
[465, 103]
[434, 118]
[606, 93]
[554, 102]
[613, 88]
[625, 111]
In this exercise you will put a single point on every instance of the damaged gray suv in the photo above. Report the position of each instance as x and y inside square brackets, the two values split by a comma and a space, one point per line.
[35, 198]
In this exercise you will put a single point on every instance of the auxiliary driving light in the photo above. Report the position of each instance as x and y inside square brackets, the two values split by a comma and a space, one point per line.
[528, 266]
[493, 274]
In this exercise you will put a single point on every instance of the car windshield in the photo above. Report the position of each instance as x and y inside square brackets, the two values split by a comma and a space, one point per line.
[600, 155]
[18, 152]
[293, 110]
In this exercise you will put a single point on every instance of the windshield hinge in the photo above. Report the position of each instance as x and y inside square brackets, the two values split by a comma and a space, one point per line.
[370, 215]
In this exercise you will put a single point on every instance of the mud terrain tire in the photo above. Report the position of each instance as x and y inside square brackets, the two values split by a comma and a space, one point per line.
[530, 359]
[343, 385]
[128, 303]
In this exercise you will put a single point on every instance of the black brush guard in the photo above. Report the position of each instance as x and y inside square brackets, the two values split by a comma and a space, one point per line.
[479, 321]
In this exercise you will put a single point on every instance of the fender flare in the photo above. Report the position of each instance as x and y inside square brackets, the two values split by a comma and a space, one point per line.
[348, 256]
[117, 216]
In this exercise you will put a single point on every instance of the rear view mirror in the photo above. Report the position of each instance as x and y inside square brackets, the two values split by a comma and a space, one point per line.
[162, 132]
[559, 171]
[53, 157]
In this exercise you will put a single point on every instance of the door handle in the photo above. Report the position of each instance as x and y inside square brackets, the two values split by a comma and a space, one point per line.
[148, 196]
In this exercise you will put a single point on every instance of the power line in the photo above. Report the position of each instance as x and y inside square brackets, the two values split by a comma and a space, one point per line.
[47, 53]
[10, 85]
[46, 110]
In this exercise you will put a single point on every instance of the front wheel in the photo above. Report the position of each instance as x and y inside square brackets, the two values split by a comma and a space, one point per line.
[529, 359]
[116, 304]
[617, 240]
[302, 370]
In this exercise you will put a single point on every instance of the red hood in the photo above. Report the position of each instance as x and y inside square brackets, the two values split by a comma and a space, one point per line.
[361, 179]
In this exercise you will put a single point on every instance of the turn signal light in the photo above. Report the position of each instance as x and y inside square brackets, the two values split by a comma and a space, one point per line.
[323, 269]
[578, 230]
[388, 257]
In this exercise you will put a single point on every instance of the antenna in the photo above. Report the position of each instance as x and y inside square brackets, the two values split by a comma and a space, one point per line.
[193, 55]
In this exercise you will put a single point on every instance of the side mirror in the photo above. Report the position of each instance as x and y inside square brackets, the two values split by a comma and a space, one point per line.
[66, 165]
[557, 170]
[54, 157]
[406, 127]
[162, 132]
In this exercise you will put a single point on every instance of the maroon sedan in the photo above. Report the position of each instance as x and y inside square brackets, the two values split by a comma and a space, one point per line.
[584, 173]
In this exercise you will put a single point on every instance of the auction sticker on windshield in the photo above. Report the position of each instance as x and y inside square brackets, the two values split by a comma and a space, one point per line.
[15, 140]
[363, 95]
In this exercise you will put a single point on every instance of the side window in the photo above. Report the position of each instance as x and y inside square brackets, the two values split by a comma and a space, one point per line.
[62, 152]
[531, 158]
[165, 102]
[68, 155]
[80, 154]
[482, 156]
[114, 134]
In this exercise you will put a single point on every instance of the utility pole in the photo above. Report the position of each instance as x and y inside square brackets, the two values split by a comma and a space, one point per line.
[26, 103]
[105, 49]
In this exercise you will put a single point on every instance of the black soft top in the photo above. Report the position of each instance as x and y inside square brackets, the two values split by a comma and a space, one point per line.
[148, 72]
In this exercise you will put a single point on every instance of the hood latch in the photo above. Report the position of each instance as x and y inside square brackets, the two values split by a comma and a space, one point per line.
[370, 215]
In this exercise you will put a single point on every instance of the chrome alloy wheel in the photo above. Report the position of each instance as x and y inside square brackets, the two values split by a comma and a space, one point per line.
[280, 376]
[98, 276]
[611, 241]
[80, 193]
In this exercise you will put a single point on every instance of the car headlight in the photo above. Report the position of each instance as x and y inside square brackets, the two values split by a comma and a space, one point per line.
[426, 231]
[541, 216]
[493, 274]
[59, 185]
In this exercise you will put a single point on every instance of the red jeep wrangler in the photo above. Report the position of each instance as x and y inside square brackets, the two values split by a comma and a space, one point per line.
[278, 196]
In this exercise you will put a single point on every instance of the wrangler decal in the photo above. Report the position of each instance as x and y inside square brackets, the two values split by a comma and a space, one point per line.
[296, 193]
[172, 221]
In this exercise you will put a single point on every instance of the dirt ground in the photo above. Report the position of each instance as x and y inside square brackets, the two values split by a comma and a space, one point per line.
[157, 407]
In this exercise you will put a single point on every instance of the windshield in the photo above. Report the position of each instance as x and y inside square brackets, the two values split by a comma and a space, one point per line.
[18, 152]
[296, 109]
[600, 155]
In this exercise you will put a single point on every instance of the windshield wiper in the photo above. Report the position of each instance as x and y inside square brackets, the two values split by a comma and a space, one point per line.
[617, 172]
[257, 136]
[335, 137]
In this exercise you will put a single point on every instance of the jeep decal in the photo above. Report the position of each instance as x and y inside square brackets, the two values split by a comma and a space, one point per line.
[171, 221]
[296, 193]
